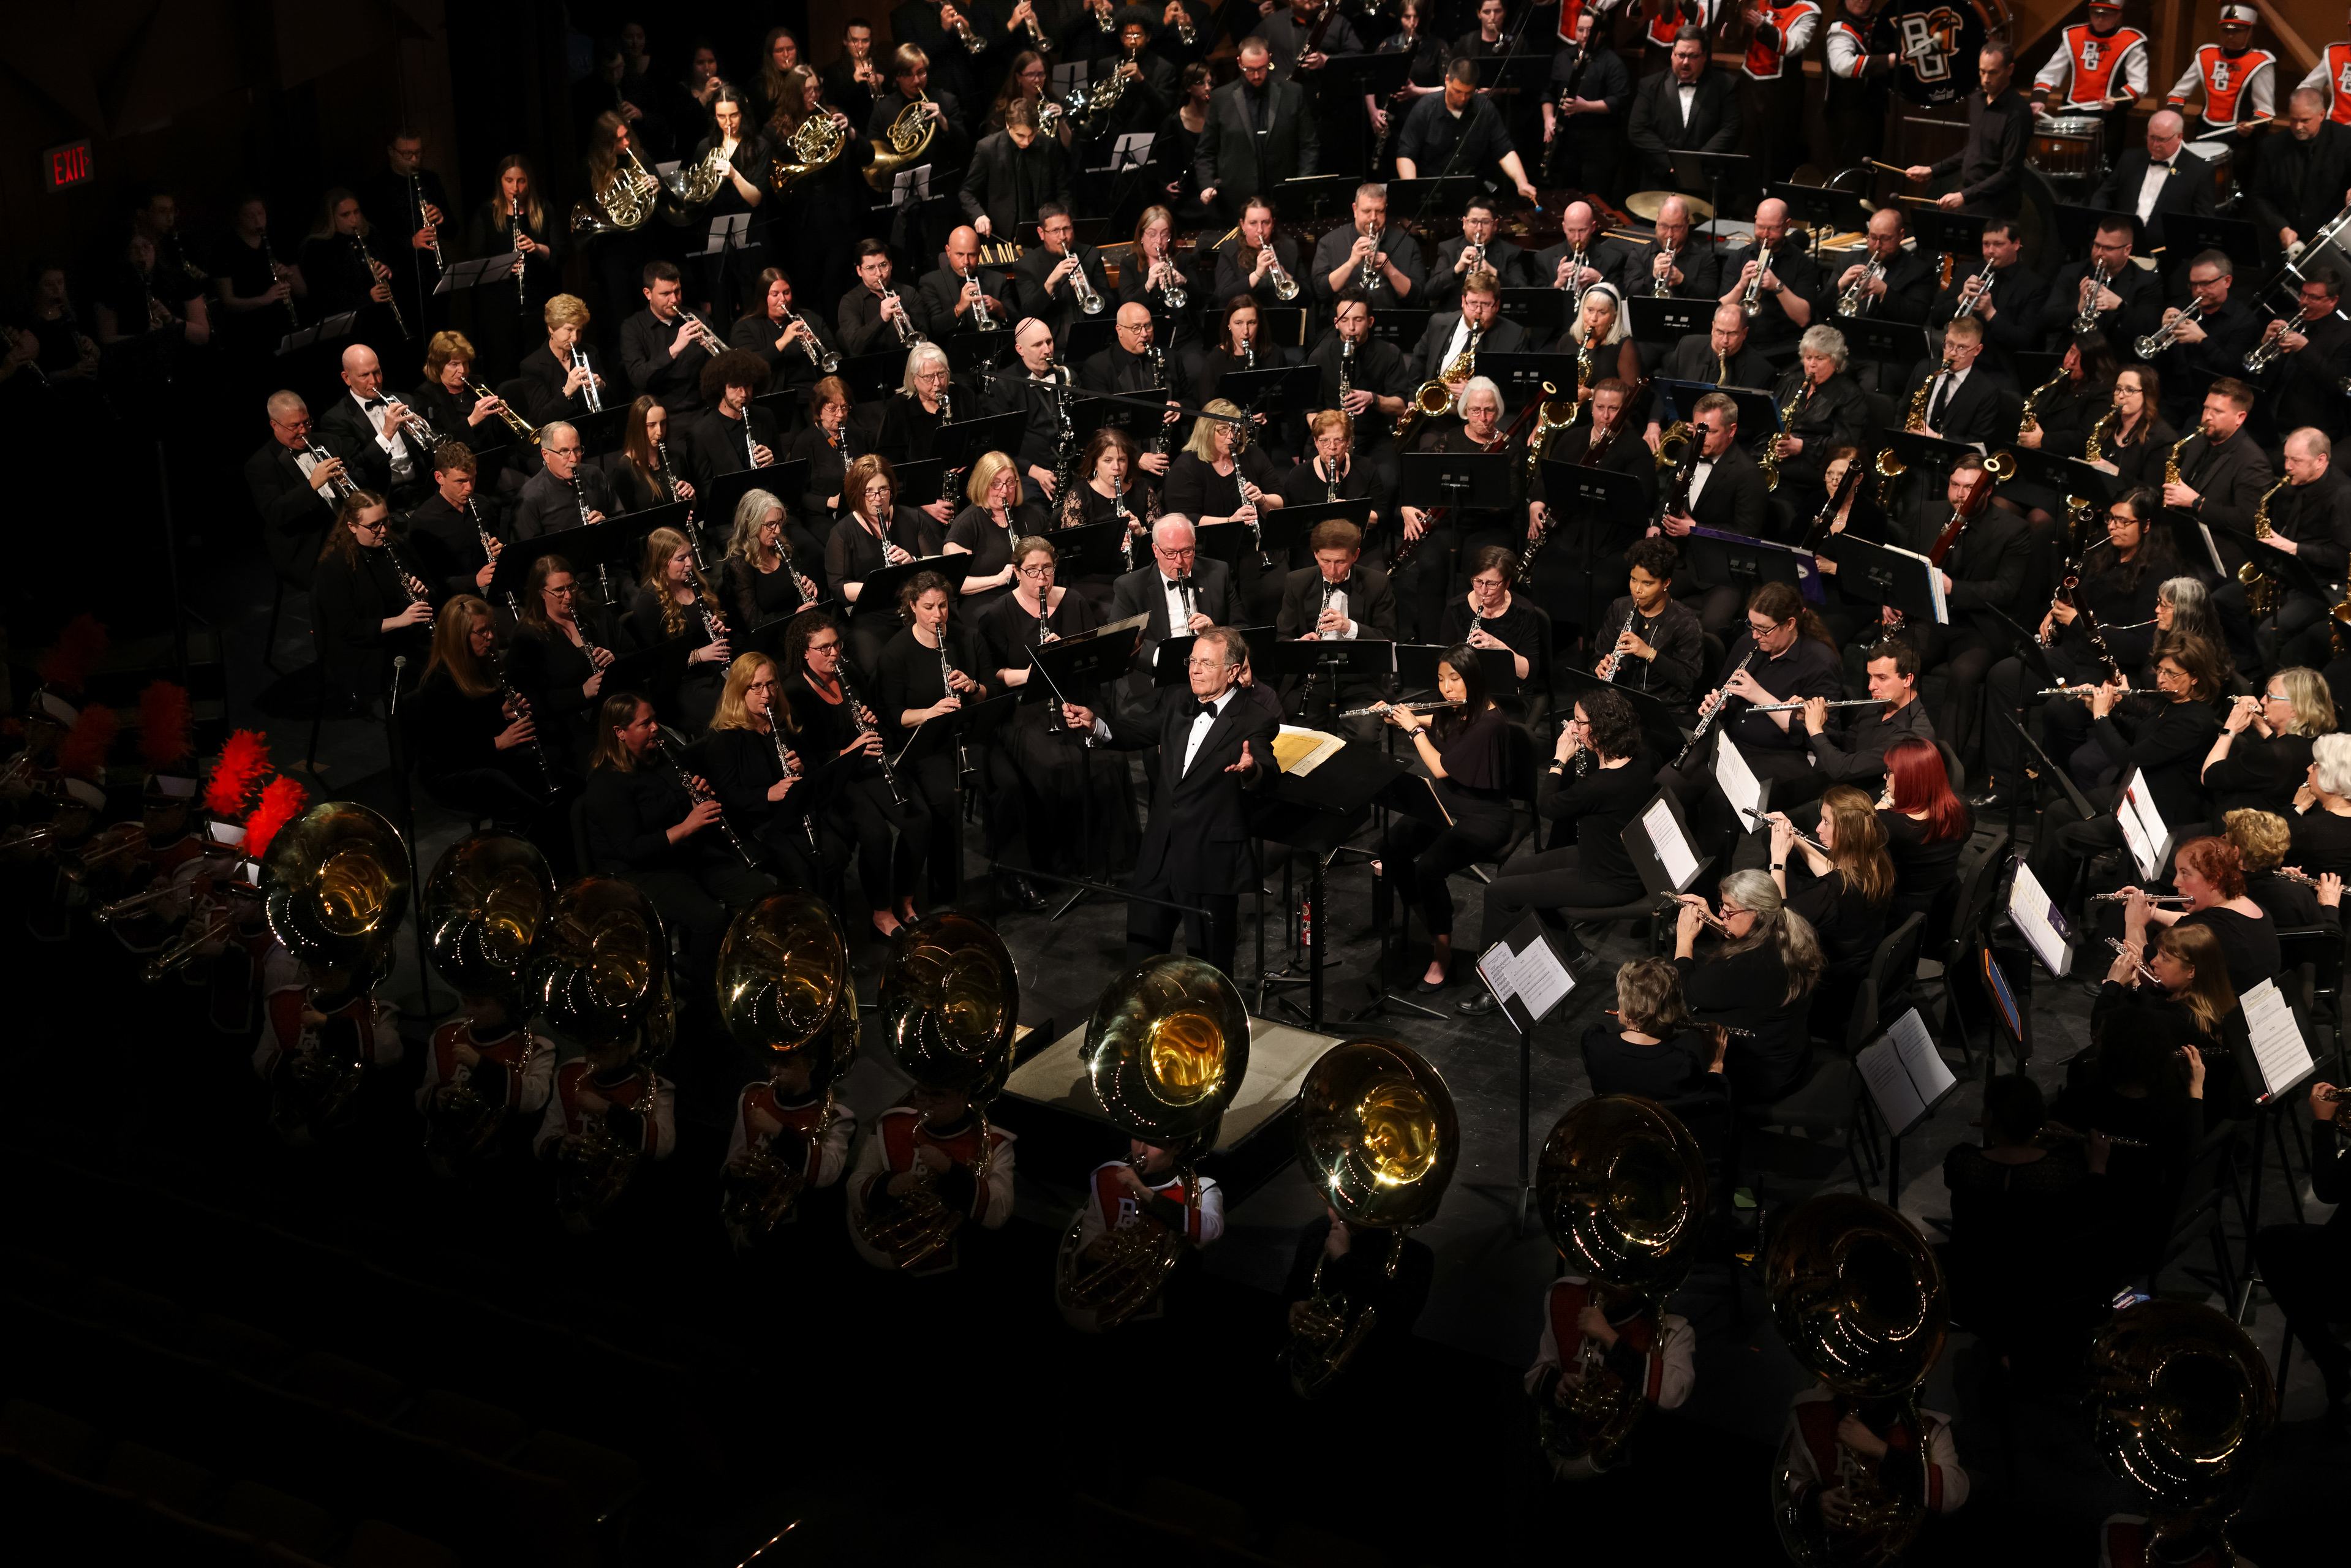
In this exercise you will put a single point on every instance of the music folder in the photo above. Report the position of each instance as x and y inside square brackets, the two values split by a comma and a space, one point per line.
[962, 444]
[2186, 236]
[1750, 796]
[1467, 480]
[1887, 574]
[1883, 341]
[877, 594]
[616, 543]
[1270, 389]
[1543, 311]
[1092, 550]
[1717, 556]
[2070, 476]
[1078, 664]
[1906, 1076]
[2281, 1052]
[2143, 827]
[873, 377]
[1526, 974]
[1613, 498]
[1818, 206]
[1662, 848]
[1668, 320]
[1415, 668]
[1523, 376]
[482, 269]
[1942, 231]
[715, 504]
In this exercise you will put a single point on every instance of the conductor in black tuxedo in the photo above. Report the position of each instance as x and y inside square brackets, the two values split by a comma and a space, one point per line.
[1216, 746]
[1688, 107]
[292, 480]
[1181, 593]
[2159, 179]
[385, 440]
[1258, 134]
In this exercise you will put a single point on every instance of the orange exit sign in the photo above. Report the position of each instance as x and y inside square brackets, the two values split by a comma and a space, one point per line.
[62, 168]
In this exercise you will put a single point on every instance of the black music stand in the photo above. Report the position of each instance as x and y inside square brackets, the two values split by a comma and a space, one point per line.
[1411, 200]
[2077, 226]
[656, 671]
[872, 377]
[1084, 663]
[1884, 574]
[1283, 526]
[600, 432]
[877, 592]
[331, 329]
[602, 546]
[1271, 387]
[919, 483]
[1413, 795]
[1720, 556]
[1661, 731]
[972, 348]
[1815, 206]
[1523, 376]
[1542, 311]
[1528, 933]
[1943, 233]
[1416, 662]
[715, 503]
[2069, 477]
[1092, 550]
[1221, 541]
[1716, 171]
[1325, 662]
[962, 444]
[1604, 497]
[1667, 319]
[1883, 341]
[1318, 813]
[1402, 326]
[2185, 237]
[1313, 196]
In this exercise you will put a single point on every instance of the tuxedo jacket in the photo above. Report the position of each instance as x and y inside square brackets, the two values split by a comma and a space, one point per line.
[1658, 128]
[370, 464]
[1985, 407]
[1196, 839]
[1228, 158]
[2187, 190]
[1505, 337]
[293, 517]
[1142, 593]
[1371, 603]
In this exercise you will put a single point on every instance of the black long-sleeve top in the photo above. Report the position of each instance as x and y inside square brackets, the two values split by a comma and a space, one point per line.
[754, 598]
[457, 733]
[1676, 1065]
[1847, 924]
[822, 730]
[1672, 676]
[2169, 750]
[1195, 489]
[352, 597]
[1806, 669]
[1521, 627]
[627, 818]
[549, 670]
[2259, 775]
[854, 553]
[828, 469]
[2322, 842]
[906, 675]
[447, 546]
[1991, 165]
[1751, 988]
[1857, 751]
[2248, 944]
[741, 767]
[1601, 809]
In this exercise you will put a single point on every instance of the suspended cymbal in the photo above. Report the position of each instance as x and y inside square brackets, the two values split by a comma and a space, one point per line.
[1645, 204]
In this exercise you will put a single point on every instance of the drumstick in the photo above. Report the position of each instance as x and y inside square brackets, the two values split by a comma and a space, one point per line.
[1889, 168]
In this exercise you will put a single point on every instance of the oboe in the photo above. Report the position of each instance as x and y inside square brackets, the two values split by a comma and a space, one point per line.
[698, 792]
[522, 262]
[1706, 720]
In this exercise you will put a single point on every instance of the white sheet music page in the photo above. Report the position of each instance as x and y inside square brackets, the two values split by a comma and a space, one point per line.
[2028, 906]
[1739, 784]
[1540, 979]
[2279, 1049]
[2133, 811]
[1673, 852]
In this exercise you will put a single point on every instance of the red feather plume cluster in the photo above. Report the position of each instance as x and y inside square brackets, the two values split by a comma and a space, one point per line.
[79, 647]
[166, 726]
[282, 800]
[82, 753]
[237, 776]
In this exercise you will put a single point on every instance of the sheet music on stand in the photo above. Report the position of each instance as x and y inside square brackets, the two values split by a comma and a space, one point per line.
[1669, 842]
[1530, 980]
[2040, 923]
[2279, 1049]
[2142, 825]
[1738, 784]
[911, 185]
[728, 231]
[1906, 1076]
[479, 270]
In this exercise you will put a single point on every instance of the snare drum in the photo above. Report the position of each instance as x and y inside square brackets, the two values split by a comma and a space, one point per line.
[2068, 146]
[2218, 154]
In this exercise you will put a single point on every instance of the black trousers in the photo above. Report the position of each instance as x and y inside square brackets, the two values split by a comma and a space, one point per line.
[892, 841]
[1967, 657]
[2308, 1269]
[1546, 882]
[1418, 859]
[1150, 927]
[934, 778]
[2066, 842]
[2065, 721]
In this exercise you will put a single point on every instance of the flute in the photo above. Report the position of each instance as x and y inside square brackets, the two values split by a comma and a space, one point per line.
[1377, 708]
[2067, 1135]
[2127, 951]
[1677, 903]
[1832, 702]
[2157, 899]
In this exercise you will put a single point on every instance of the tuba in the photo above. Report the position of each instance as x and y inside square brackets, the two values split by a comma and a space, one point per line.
[783, 989]
[1166, 1049]
[809, 150]
[1622, 1187]
[2182, 1400]
[600, 975]
[334, 885]
[1858, 1298]
[902, 145]
[948, 1003]
[482, 909]
[1377, 1133]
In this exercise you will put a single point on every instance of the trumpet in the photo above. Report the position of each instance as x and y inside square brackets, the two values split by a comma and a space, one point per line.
[2086, 319]
[1089, 298]
[2157, 899]
[980, 319]
[1856, 299]
[1975, 289]
[1661, 282]
[969, 36]
[2157, 341]
[431, 436]
[1382, 708]
[1750, 299]
[1285, 288]
[514, 422]
[907, 335]
[823, 359]
[711, 342]
[2265, 354]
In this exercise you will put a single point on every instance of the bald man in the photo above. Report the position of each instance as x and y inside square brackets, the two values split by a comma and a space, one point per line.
[1126, 367]
[1028, 389]
[2159, 179]
[1679, 262]
[1902, 285]
[292, 479]
[1782, 280]
[1605, 260]
[386, 442]
[951, 294]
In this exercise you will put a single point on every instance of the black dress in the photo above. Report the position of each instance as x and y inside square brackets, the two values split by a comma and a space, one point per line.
[2248, 944]
[908, 678]
[990, 546]
[2322, 842]
[859, 806]
[1419, 858]
[1052, 769]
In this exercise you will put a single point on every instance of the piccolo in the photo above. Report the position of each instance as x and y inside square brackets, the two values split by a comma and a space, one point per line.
[1832, 702]
[1397, 707]
[1708, 916]
[2159, 899]
[2068, 1136]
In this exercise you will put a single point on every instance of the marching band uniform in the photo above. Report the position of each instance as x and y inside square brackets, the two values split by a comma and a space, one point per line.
[819, 1160]
[889, 1151]
[624, 1088]
[525, 1091]
[1111, 1205]
[1653, 1352]
[1925, 1464]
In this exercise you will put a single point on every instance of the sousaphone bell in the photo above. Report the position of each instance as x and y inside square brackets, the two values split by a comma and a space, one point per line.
[334, 885]
[784, 990]
[482, 908]
[2183, 1400]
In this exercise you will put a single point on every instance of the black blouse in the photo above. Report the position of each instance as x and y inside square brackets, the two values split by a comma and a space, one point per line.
[1601, 809]
[1921, 870]
[2260, 775]
[853, 554]
[548, 669]
[1009, 629]
[1195, 489]
[1524, 628]
[1673, 1067]
[828, 470]
[352, 597]
[822, 730]
[455, 733]
[741, 767]
[2248, 944]
[2322, 841]
[909, 431]
[1475, 754]
[627, 818]
[754, 598]
[1850, 927]
[907, 675]
[1748, 989]
[990, 546]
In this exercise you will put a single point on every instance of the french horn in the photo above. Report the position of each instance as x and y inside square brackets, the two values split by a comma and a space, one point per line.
[811, 148]
[1622, 1187]
[1858, 1298]
[482, 910]
[1165, 1050]
[1378, 1137]
[948, 1003]
[784, 990]
[902, 145]
[625, 204]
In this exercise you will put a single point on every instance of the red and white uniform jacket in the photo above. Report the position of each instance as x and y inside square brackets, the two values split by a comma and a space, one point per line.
[1785, 32]
[285, 993]
[1571, 11]
[2090, 67]
[2230, 84]
[526, 1090]
[2332, 76]
[889, 1150]
[827, 1156]
[1110, 1206]
[1812, 1457]
[1672, 16]
[2123, 1540]
[565, 1118]
[1658, 1352]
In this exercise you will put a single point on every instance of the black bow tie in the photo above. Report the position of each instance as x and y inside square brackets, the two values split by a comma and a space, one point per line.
[1206, 709]
[373, 403]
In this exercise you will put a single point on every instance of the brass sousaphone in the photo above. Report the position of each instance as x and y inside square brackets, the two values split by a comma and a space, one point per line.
[334, 885]
[600, 977]
[1378, 1137]
[1622, 1187]
[2183, 1399]
[1858, 1298]
[947, 1005]
[1166, 1049]
[483, 907]
[784, 990]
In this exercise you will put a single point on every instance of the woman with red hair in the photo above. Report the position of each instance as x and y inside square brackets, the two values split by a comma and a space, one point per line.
[2211, 874]
[1926, 825]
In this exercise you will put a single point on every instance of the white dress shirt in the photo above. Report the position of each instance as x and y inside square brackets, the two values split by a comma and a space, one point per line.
[403, 469]
[307, 462]
[1699, 474]
[1179, 614]
[2151, 187]
[1337, 599]
[1689, 96]
[1202, 724]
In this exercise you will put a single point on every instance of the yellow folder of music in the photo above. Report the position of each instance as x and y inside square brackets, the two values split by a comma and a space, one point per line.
[1300, 751]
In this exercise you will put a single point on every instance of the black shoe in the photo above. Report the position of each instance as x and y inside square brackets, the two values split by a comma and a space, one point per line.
[1426, 988]
[1476, 1007]
[1017, 891]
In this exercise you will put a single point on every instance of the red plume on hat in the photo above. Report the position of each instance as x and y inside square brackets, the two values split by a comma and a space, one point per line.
[244, 762]
[166, 726]
[282, 800]
[78, 649]
[82, 753]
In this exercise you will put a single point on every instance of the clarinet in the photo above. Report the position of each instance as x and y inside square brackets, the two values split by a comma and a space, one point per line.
[416, 190]
[1126, 519]
[367, 276]
[686, 781]
[865, 727]
[489, 540]
[603, 569]
[787, 765]
[522, 283]
[1614, 660]
[517, 706]
[293, 314]
[964, 767]
[1707, 722]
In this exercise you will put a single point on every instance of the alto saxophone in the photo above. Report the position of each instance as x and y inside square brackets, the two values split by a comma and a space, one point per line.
[2262, 593]
[2092, 449]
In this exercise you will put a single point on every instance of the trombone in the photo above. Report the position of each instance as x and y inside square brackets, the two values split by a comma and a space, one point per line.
[505, 411]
